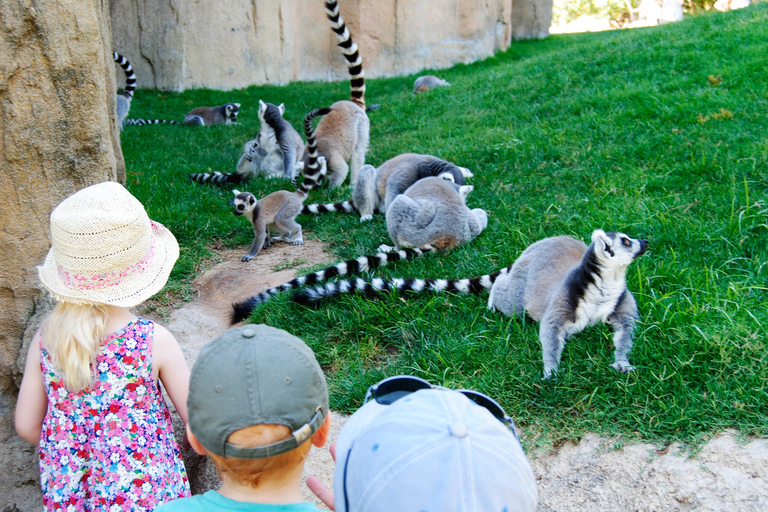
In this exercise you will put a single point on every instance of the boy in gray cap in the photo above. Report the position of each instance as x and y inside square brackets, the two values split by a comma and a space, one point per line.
[257, 402]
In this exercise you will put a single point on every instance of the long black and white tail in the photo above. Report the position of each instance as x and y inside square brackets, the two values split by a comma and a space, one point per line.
[144, 122]
[242, 310]
[375, 286]
[130, 75]
[313, 171]
[315, 209]
[217, 178]
[349, 49]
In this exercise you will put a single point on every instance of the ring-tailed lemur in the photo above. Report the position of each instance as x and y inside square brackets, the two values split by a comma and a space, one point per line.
[375, 189]
[427, 82]
[207, 116]
[433, 212]
[124, 99]
[243, 309]
[559, 281]
[279, 209]
[342, 135]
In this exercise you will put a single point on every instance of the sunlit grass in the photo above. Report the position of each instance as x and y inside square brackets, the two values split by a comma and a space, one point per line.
[661, 133]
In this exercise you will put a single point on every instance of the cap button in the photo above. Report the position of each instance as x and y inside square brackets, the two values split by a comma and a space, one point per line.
[248, 333]
[458, 430]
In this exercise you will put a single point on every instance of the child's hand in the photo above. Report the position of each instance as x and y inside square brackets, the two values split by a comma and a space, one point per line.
[321, 491]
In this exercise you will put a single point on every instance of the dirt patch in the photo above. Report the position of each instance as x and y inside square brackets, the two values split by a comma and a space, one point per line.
[591, 475]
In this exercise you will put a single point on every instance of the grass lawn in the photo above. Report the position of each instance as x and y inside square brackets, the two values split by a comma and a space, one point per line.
[661, 133]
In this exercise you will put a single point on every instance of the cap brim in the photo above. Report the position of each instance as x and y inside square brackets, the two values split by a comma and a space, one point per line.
[129, 293]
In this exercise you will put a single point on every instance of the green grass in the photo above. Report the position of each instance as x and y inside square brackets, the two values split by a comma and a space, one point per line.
[622, 131]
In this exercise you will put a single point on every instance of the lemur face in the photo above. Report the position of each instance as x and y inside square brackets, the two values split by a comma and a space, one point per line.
[617, 249]
[244, 202]
[231, 111]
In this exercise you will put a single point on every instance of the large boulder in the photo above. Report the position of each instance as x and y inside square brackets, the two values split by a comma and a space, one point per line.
[232, 44]
[58, 133]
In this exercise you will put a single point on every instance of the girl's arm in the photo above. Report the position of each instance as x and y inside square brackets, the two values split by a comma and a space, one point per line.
[171, 368]
[32, 403]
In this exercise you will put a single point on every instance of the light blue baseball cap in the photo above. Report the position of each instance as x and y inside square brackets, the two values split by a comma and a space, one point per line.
[434, 450]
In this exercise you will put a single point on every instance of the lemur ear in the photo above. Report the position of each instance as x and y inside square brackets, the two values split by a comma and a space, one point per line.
[281, 108]
[466, 172]
[262, 107]
[236, 192]
[464, 191]
[237, 105]
[447, 177]
[251, 200]
[603, 241]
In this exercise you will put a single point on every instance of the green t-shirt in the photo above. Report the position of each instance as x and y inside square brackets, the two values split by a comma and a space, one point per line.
[212, 500]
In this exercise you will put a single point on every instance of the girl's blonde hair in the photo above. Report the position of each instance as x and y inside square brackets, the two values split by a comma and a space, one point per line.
[71, 335]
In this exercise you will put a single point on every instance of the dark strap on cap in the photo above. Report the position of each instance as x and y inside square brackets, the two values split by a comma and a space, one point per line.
[298, 437]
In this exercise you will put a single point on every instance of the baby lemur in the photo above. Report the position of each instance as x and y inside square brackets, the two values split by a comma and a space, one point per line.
[279, 209]
[559, 281]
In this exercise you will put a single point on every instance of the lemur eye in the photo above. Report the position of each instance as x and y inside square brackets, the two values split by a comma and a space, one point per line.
[240, 207]
[625, 241]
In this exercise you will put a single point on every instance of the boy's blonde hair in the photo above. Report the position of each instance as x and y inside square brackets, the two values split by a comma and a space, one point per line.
[71, 335]
[251, 472]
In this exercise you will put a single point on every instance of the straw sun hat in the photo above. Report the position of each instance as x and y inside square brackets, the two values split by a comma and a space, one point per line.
[106, 250]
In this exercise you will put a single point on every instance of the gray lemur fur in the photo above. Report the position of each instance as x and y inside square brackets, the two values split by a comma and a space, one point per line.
[279, 146]
[567, 286]
[427, 82]
[433, 213]
[375, 189]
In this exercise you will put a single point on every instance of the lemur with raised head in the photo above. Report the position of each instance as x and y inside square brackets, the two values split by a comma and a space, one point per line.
[243, 309]
[279, 209]
[375, 189]
[124, 99]
[433, 213]
[342, 135]
[208, 116]
[264, 154]
[559, 281]
[427, 82]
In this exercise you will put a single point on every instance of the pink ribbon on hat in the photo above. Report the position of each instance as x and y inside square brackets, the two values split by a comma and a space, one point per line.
[109, 279]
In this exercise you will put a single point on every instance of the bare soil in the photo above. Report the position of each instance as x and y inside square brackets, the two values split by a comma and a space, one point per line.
[595, 474]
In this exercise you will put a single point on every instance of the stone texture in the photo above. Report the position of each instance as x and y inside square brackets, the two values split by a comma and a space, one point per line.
[58, 133]
[175, 45]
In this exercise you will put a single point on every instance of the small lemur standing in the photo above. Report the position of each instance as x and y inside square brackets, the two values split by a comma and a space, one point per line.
[427, 82]
[558, 281]
[207, 116]
[243, 309]
[375, 189]
[279, 209]
[124, 99]
[342, 135]
[433, 213]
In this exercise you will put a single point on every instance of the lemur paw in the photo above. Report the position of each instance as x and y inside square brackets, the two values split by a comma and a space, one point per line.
[364, 218]
[247, 257]
[385, 248]
[622, 366]
[298, 242]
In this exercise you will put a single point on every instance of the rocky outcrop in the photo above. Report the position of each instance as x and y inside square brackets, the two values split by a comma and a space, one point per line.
[177, 45]
[58, 133]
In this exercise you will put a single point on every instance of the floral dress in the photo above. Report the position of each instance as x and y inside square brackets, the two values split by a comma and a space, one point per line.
[110, 448]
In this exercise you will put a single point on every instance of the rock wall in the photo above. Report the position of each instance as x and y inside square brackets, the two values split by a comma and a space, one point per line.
[176, 45]
[58, 133]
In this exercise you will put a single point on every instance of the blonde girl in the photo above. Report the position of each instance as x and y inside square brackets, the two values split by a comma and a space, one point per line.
[91, 396]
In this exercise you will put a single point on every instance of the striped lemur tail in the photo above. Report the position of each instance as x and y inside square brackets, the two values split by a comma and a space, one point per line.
[243, 309]
[144, 122]
[349, 49]
[375, 286]
[314, 170]
[130, 75]
[218, 178]
[344, 206]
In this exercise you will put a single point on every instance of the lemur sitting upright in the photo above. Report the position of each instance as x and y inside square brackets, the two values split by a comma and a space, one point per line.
[558, 281]
[279, 209]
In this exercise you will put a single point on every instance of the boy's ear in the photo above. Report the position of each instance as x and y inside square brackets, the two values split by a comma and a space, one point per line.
[321, 436]
[195, 443]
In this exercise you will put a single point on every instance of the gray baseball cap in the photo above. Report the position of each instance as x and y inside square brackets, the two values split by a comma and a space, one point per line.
[256, 375]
